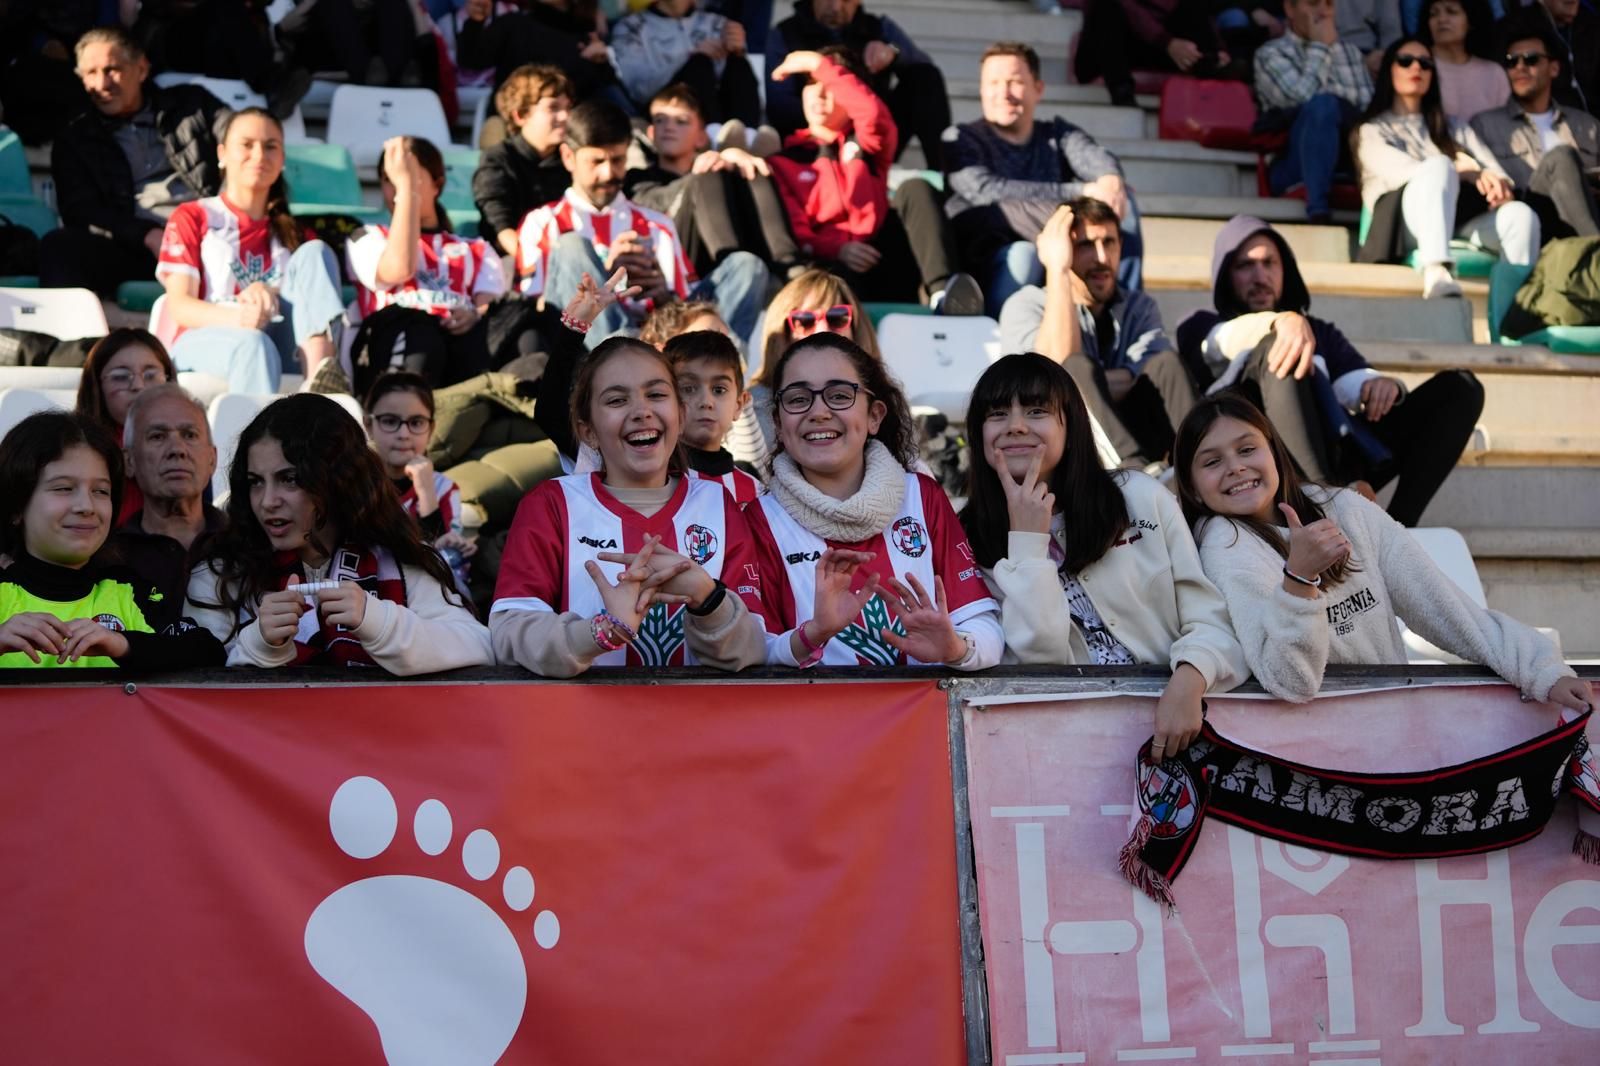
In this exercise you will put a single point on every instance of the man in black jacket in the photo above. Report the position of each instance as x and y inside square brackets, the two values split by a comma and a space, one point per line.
[524, 171]
[122, 168]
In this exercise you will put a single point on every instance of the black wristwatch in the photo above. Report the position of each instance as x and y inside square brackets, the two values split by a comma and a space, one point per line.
[710, 603]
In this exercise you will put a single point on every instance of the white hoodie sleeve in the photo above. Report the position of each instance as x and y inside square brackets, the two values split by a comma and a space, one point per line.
[247, 647]
[1206, 639]
[1034, 614]
[426, 634]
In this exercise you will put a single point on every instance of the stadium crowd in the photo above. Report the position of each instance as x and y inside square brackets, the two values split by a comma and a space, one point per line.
[640, 417]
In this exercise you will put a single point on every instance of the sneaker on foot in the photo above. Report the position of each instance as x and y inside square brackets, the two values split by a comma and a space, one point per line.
[961, 295]
[732, 135]
[1438, 282]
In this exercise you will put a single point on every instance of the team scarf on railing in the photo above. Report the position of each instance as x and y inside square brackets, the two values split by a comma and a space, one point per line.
[1482, 805]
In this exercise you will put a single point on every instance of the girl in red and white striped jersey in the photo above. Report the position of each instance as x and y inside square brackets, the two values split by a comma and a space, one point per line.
[417, 280]
[557, 611]
[865, 561]
[399, 410]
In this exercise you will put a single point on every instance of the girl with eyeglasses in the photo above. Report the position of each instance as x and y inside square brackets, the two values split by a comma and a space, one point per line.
[814, 302]
[311, 504]
[123, 364]
[1462, 37]
[864, 559]
[1426, 177]
[1092, 567]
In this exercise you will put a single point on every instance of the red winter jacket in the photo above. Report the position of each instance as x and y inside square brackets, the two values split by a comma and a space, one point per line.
[837, 192]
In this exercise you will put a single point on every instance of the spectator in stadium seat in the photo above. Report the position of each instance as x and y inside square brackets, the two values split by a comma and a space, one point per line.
[250, 295]
[594, 229]
[1550, 151]
[719, 200]
[39, 91]
[374, 42]
[1111, 341]
[1340, 419]
[171, 458]
[309, 503]
[1578, 28]
[120, 366]
[123, 167]
[833, 176]
[671, 41]
[220, 39]
[565, 34]
[1314, 85]
[1121, 36]
[1092, 567]
[901, 73]
[422, 293]
[1461, 34]
[524, 170]
[1315, 575]
[1426, 178]
[62, 602]
[1006, 174]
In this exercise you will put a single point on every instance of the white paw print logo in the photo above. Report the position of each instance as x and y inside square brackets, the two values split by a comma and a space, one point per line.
[437, 969]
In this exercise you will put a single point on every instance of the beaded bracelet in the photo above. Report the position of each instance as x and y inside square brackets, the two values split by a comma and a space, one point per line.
[1312, 582]
[576, 325]
[610, 632]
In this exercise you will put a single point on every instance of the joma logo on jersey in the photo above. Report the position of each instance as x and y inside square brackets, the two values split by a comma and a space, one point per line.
[700, 544]
[909, 538]
[596, 543]
[801, 557]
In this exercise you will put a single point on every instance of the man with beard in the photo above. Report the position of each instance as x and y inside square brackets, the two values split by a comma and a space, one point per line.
[902, 74]
[594, 229]
[167, 443]
[1341, 420]
[1109, 339]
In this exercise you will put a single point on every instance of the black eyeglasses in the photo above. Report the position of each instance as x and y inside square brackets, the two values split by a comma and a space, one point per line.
[391, 423]
[797, 399]
[1405, 61]
[1513, 60]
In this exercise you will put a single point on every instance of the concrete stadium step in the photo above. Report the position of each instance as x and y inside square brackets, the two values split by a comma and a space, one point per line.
[1354, 279]
[1056, 94]
[1362, 318]
[1481, 359]
[985, 23]
[1195, 236]
[959, 58]
[1183, 167]
[1270, 209]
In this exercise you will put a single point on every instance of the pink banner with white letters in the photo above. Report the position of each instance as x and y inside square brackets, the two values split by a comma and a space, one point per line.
[1276, 953]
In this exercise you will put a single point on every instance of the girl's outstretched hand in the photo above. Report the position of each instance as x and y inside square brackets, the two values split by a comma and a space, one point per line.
[1179, 712]
[591, 299]
[88, 637]
[1572, 692]
[1030, 502]
[930, 635]
[32, 632]
[833, 605]
[639, 585]
[671, 573]
[1313, 548]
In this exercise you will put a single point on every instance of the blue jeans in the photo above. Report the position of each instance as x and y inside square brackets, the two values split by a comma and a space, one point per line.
[1315, 141]
[737, 285]
[1016, 265]
[254, 360]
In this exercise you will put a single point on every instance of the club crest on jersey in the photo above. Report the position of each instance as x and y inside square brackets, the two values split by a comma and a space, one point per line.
[700, 544]
[909, 537]
[111, 622]
[1167, 795]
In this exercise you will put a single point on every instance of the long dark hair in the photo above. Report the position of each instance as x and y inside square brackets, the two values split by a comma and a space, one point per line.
[284, 227]
[897, 431]
[1291, 486]
[432, 161]
[1433, 116]
[1084, 489]
[1480, 39]
[334, 465]
[91, 395]
[583, 389]
[43, 438]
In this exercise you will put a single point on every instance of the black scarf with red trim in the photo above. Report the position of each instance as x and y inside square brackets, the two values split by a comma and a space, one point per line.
[1488, 803]
[317, 643]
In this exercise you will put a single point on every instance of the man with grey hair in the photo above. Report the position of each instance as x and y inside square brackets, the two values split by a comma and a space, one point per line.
[167, 444]
[123, 166]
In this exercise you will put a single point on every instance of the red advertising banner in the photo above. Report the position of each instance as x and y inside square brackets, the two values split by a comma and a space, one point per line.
[470, 874]
[1276, 953]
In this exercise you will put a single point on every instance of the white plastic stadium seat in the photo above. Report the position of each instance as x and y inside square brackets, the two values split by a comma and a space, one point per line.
[17, 404]
[238, 96]
[938, 359]
[362, 117]
[161, 325]
[230, 412]
[39, 377]
[1449, 552]
[65, 314]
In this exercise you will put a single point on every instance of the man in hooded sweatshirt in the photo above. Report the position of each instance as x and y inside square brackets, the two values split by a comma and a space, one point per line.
[1340, 419]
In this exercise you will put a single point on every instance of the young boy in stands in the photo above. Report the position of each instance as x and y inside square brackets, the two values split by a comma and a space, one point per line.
[834, 178]
[711, 387]
[719, 200]
[524, 170]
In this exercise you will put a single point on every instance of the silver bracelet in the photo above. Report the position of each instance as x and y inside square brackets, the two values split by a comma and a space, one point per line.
[1312, 582]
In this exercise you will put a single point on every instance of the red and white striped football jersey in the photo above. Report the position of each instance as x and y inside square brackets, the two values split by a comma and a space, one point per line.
[451, 270]
[220, 246]
[543, 226]
[743, 487]
[449, 494]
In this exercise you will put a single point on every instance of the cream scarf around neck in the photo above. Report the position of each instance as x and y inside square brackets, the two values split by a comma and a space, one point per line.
[866, 514]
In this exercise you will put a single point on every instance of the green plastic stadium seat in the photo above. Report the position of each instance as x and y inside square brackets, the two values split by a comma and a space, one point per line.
[30, 212]
[1471, 261]
[138, 296]
[1504, 281]
[15, 181]
[323, 181]
[877, 311]
[19, 281]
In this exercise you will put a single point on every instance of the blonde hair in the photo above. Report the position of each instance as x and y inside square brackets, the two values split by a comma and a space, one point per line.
[812, 290]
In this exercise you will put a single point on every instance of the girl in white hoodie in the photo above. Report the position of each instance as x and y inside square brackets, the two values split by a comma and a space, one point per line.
[1314, 575]
[1090, 566]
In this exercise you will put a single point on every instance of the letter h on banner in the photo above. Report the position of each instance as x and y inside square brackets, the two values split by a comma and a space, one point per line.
[1106, 937]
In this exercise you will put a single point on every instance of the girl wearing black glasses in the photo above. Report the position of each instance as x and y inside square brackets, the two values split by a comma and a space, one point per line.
[1461, 35]
[1427, 177]
[864, 560]
[121, 365]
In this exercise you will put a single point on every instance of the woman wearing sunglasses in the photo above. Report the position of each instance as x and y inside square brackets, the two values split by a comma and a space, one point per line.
[864, 561]
[1461, 35]
[1427, 177]
[814, 302]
